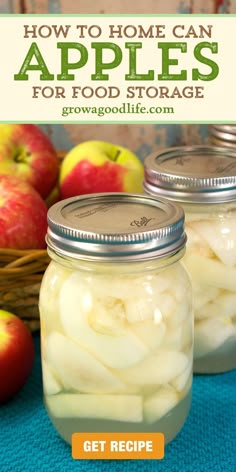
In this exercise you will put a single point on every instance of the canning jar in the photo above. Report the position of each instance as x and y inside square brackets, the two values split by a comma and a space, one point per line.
[203, 180]
[116, 316]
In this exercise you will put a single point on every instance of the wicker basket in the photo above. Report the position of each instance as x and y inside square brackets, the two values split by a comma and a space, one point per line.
[21, 272]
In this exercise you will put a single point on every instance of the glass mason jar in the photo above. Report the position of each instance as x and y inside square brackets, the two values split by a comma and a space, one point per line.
[203, 180]
[116, 316]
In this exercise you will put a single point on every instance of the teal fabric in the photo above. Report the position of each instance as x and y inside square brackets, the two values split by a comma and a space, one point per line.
[207, 442]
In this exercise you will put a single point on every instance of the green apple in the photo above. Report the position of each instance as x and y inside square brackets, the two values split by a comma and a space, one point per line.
[97, 166]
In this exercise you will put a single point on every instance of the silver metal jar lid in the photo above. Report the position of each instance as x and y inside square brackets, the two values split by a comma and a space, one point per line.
[115, 226]
[224, 135]
[230, 129]
[192, 174]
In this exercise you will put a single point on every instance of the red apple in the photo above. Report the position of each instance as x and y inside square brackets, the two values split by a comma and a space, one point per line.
[16, 355]
[26, 152]
[97, 166]
[23, 215]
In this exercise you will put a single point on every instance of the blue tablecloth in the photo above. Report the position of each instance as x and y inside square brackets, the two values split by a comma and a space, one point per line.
[207, 442]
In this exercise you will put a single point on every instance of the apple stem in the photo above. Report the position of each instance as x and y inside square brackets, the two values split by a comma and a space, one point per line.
[18, 158]
[117, 154]
[21, 156]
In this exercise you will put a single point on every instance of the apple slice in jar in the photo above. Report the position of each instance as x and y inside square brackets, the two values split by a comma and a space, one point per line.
[223, 306]
[116, 286]
[51, 384]
[136, 294]
[220, 236]
[77, 369]
[160, 403]
[115, 350]
[139, 309]
[53, 279]
[150, 332]
[203, 294]
[211, 333]
[196, 244]
[210, 272]
[156, 369]
[179, 338]
[180, 382]
[107, 407]
[173, 339]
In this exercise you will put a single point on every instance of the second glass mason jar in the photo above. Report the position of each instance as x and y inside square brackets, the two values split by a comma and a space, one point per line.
[116, 316]
[203, 180]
